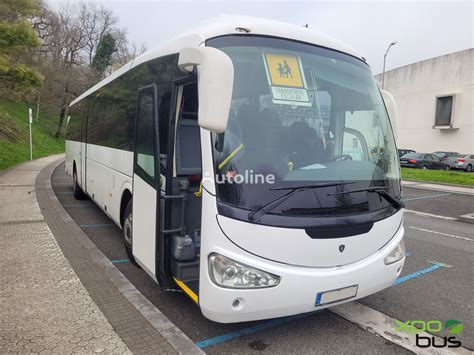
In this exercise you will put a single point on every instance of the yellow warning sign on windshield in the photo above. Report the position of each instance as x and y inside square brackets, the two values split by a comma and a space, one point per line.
[286, 79]
[284, 69]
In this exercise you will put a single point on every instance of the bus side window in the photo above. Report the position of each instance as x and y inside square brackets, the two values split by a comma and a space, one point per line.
[188, 140]
[145, 142]
[163, 127]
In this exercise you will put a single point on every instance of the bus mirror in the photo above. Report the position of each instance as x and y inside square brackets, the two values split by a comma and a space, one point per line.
[392, 110]
[215, 73]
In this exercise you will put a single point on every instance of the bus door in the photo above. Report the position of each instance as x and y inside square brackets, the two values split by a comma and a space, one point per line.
[146, 182]
[180, 242]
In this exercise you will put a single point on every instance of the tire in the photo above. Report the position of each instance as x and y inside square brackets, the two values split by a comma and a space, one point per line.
[127, 232]
[76, 189]
[424, 167]
[446, 168]
[469, 168]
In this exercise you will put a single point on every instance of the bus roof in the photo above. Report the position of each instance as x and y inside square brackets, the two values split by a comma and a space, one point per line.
[226, 25]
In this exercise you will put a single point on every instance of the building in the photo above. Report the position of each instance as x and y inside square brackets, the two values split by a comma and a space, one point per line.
[435, 103]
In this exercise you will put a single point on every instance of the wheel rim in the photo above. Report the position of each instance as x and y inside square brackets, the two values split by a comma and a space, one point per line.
[424, 167]
[127, 230]
[469, 168]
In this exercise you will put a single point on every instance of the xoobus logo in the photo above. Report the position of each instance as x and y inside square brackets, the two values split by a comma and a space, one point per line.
[451, 326]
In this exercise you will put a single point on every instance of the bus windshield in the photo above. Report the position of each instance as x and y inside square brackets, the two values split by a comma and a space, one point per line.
[303, 114]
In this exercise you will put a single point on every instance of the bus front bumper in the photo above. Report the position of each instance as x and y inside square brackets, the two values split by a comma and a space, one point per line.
[298, 288]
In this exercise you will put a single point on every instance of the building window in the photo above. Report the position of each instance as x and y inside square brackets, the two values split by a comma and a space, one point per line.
[444, 111]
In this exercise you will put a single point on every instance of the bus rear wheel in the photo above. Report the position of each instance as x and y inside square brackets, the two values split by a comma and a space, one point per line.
[128, 232]
[76, 189]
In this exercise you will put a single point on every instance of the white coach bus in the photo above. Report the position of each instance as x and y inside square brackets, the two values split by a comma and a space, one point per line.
[251, 164]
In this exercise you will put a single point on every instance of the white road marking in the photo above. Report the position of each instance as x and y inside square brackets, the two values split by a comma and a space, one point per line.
[440, 233]
[425, 197]
[386, 327]
[424, 214]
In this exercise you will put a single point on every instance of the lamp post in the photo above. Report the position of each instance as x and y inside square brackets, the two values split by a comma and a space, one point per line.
[384, 59]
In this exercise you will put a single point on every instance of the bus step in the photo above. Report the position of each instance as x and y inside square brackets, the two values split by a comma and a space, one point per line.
[185, 270]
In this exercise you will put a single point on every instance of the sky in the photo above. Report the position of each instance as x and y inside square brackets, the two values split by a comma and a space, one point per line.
[423, 29]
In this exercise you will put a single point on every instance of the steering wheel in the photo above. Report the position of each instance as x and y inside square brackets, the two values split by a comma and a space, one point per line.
[343, 157]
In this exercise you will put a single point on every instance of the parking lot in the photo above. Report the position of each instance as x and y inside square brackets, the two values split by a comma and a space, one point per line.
[436, 284]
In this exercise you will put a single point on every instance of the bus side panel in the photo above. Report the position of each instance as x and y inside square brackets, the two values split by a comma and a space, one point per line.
[108, 175]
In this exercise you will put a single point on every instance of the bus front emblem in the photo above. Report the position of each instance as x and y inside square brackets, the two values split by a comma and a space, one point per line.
[342, 247]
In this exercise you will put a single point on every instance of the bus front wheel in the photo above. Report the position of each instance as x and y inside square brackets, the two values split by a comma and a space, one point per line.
[128, 232]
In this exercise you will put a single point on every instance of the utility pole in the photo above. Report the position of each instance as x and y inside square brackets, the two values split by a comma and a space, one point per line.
[384, 60]
[30, 118]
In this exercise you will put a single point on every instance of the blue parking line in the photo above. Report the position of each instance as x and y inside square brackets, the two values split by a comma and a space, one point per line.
[424, 197]
[418, 273]
[117, 261]
[96, 225]
[257, 328]
[279, 321]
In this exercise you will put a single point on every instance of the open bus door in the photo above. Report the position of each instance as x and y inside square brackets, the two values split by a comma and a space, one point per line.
[180, 236]
[146, 182]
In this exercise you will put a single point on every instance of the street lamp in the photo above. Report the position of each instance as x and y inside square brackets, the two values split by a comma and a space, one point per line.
[384, 59]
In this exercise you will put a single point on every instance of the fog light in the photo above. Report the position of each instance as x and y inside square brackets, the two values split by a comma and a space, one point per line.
[226, 272]
[396, 254]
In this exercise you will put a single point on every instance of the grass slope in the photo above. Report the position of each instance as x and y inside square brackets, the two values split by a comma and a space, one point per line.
[447, 177]
[14, 134]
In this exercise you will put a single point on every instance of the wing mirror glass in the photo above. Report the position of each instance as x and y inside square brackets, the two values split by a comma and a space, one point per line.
[215, 74]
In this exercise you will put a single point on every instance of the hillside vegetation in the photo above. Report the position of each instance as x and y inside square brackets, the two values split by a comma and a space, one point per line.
[14, 134]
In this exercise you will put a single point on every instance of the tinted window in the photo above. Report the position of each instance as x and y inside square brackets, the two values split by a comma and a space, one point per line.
[115, 105]
[77, 113]
[444, 106]
[145, 144]
[188, 141]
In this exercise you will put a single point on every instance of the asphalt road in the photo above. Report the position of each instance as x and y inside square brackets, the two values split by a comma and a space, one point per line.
[441, 293]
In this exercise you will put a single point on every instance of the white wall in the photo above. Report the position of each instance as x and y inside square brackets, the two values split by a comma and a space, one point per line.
[415, 88]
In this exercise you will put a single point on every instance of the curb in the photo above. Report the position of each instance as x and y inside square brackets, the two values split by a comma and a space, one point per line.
[442, 188]
[437, 183]
[60, 222]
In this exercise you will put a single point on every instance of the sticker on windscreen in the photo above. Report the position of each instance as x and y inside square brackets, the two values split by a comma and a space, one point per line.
[286, 79]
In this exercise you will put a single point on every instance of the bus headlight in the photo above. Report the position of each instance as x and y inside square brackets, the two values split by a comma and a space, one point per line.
[226, 272]
[396, 254]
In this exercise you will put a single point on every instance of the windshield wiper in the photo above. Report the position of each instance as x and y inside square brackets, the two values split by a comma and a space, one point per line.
[395, 202]
[254, 216]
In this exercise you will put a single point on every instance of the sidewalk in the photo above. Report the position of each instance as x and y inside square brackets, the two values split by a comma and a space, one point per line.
[439, 187]
[57, 294]
[43, 305]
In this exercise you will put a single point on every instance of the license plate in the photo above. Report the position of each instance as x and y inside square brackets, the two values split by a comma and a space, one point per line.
[332, 296]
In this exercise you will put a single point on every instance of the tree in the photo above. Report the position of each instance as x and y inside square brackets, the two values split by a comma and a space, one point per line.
[17, 37]
[103, 56]
[78, 41]
[95, 23]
